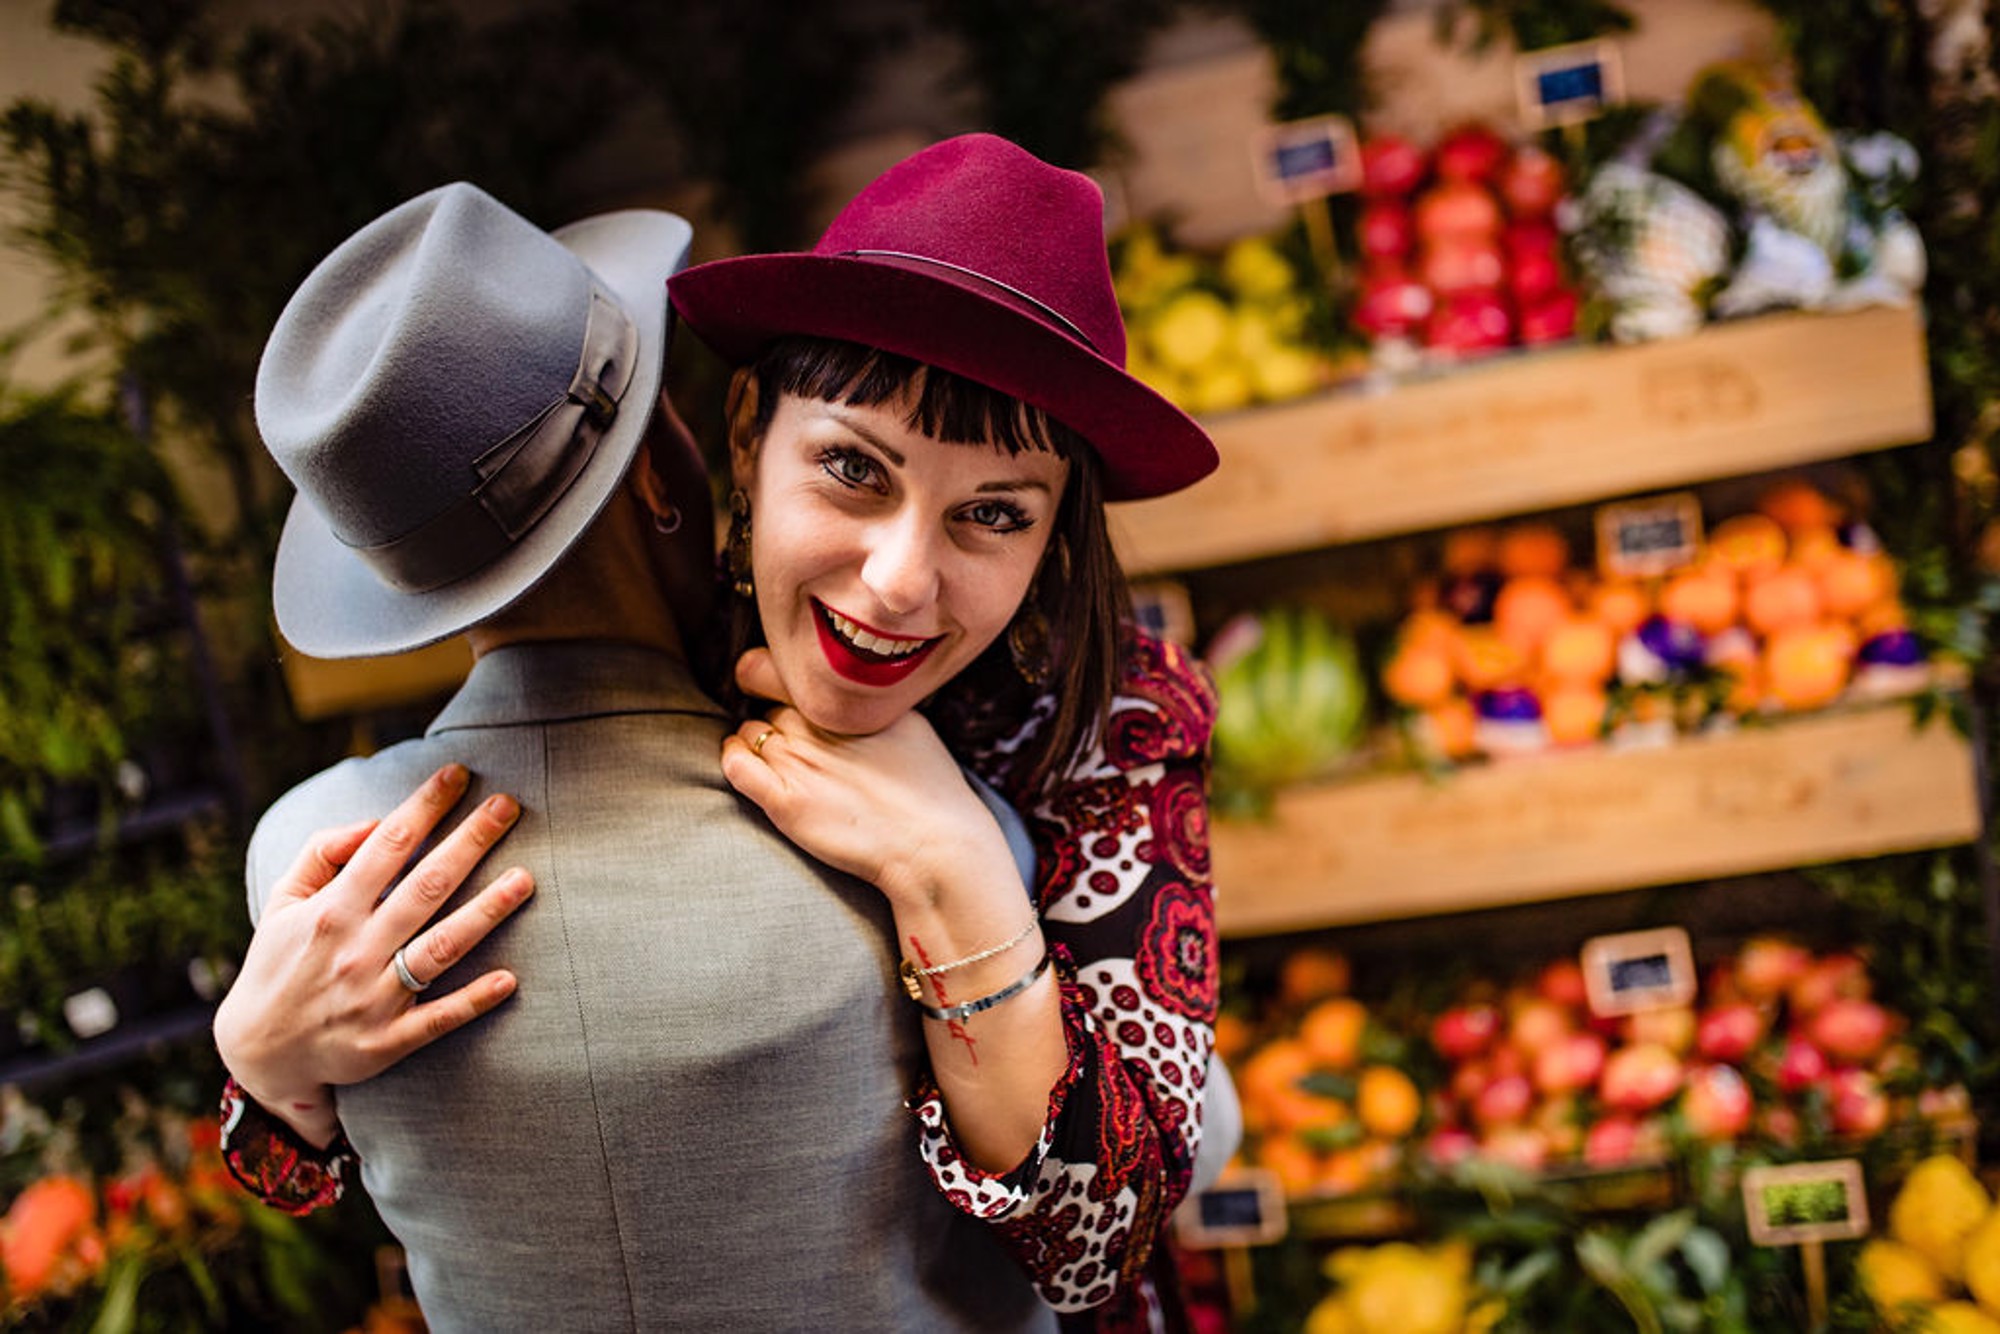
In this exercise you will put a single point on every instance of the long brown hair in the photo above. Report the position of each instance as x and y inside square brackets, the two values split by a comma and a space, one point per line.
[1080, 591]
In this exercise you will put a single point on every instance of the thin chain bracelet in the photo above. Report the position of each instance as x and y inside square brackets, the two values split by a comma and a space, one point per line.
[910, 972]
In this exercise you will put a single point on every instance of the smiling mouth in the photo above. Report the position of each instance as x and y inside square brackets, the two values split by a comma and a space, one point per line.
[871, 646]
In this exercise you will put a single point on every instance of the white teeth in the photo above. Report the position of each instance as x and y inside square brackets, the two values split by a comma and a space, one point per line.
[871, 643]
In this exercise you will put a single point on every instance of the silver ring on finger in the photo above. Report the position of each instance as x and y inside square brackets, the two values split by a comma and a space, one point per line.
[403, 973]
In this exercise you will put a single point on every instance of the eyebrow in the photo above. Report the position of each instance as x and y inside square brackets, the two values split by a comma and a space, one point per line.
[896, 457]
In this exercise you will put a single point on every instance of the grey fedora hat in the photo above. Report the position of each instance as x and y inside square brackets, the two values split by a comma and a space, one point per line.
[455, 393]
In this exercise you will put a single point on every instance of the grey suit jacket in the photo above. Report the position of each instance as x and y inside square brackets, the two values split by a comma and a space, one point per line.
[691, 1115]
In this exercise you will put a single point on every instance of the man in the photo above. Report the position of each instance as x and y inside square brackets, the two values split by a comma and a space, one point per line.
[691, 1114]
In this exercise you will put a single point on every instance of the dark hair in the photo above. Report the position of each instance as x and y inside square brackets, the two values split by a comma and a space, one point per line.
[1080, 589]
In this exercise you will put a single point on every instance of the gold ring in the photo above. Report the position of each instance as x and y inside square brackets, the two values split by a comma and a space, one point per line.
[757, 746]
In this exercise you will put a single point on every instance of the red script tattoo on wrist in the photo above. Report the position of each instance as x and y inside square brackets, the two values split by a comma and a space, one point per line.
[953, 1028]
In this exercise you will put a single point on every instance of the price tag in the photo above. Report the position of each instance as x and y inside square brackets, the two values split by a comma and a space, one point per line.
[1638, 970]
[1568, 85]
[1245, 1208]
[1799, 1203]
[1640, 538]
[90, 1013]
[1306, 159]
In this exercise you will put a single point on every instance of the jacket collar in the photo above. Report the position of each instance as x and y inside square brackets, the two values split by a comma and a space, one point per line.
[565, 680]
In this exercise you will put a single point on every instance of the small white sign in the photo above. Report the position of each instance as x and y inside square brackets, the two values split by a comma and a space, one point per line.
[1245, 1208]
[1638, 970]
[1303, 160]
[1798, 1203]
[1569, 84]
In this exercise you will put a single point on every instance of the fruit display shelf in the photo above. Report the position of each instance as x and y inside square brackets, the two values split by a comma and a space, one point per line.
[1853, 781]
[1541, 429]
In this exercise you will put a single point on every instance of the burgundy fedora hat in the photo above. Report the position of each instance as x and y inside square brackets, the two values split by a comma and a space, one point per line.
[974, 256]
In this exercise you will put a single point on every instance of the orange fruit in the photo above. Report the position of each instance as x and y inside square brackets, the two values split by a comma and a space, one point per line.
[1785, 599]
[1470, 550]
[1387, 1102]
[1811, 546]
[1580, 648]
[1419, 676]
[1806, 667]
[1272, 1071]
[1748, 544]
[1310, 973]
[1344, 1172]
[1233, 1036]
[1527, 608]
[1886, 615]
[1450, 729]
[1331, 1032]
[1796, 503]
[1703, 596]
[1531, 550]
[1573, 715]
[1850, 583]
[1295, 1163]
[1300, 1109]
[1621, 605]
[1430, 628]
[1486, 660]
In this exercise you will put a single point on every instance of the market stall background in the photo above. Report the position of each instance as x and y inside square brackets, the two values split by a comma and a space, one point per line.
[171, 171]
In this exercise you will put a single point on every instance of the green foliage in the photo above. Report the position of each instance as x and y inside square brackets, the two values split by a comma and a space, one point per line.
[1317, 48]
[80, 547]
[1044, 67]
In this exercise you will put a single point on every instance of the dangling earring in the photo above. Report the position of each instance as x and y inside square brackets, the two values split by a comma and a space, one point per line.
[1028, 645]
[737, 546]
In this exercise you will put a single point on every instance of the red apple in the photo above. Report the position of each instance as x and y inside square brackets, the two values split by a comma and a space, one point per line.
[1469, 324]
[1531, 181]
[1458, 208]
[1779, 1124]
[1767, 966]
[1850, 1031]
[1672, 1027]
[1716, 1103]
[1530, 236]
[1611, 1142]
[1452, 265]
[1392, 304]
[1470, 152]
[1469, 1079]
[1729, 1032]
[1525, 1147]
[1639, 1078]
[1503, 1100]
[1802, 1065]
[1559, 1123]
[1570, 1064]
[1390, 166]
[1387, 230]
[1719, 983]
[1562, 982]
[1450, 1144]
[1535, 1024]
[1829, 977]
[1549, 320]
[1532, 277]
[1860, 1107]
[1464, 1031]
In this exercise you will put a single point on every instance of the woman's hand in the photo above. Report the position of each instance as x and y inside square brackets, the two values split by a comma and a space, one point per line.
[891, 808]
[318, 1001]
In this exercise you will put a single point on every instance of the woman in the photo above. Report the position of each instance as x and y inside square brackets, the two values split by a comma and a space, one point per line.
[889, 564]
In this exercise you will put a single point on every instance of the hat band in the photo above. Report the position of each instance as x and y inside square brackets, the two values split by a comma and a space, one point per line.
[525, 474]
[1044, 307]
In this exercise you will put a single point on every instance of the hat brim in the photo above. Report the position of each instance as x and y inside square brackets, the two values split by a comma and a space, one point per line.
[330, 604]
[1148, 446]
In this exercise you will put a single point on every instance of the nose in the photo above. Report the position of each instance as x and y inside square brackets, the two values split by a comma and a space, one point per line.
[903, 564]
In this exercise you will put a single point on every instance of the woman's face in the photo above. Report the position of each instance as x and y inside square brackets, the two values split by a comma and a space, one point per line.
[886, 560]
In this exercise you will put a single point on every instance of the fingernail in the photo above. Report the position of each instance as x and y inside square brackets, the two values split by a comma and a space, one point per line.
[454, 776]
[502, 807]
[518, 884]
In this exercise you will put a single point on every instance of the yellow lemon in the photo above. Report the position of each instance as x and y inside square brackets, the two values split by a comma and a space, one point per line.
[1253, 268]
[1892, 1274]
[1982, 1262]
[1191, 331]
[1959, 1318]
[1330, 1317]
[1937, 1208]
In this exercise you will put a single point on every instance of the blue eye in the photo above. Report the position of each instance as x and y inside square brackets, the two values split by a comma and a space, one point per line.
[999, 515]
[849, 467]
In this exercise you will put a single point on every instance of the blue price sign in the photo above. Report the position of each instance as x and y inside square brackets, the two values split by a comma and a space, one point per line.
[1567, 85]
[1306, 159]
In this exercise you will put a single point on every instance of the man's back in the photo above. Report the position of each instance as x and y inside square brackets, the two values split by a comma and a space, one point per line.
[691, 1115]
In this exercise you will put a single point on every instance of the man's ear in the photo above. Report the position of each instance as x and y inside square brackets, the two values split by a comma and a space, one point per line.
[740, 409]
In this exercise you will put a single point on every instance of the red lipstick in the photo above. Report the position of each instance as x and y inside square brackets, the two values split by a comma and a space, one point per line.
[863, 668]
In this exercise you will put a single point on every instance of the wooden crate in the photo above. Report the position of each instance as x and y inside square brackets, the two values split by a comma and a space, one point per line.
[1538, 430]
[1824, 787]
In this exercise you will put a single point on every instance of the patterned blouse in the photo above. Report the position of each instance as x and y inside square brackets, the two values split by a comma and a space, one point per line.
[1126, 904]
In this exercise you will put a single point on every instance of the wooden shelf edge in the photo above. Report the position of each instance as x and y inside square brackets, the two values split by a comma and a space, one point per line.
[1852, 782]
[1538, 430]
